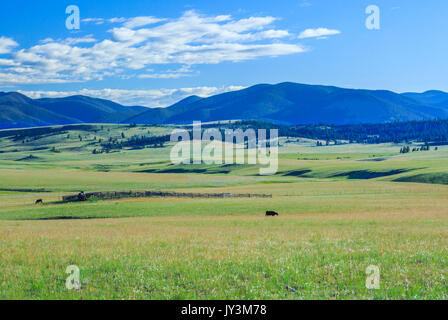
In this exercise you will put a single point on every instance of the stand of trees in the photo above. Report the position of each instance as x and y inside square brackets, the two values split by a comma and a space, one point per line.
[434, 131]
[137, 142]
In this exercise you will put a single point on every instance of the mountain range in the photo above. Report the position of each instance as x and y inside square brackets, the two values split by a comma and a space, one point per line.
[285, 103]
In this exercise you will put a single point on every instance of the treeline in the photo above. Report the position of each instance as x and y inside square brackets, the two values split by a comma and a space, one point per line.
[434, 131]
[20, 134]
[136, 142]
[421, 131]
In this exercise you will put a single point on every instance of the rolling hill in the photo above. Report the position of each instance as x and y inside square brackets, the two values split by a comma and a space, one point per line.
[284, 103]
[293, 103]
[433, 98]
[17, 110]
[88, 110]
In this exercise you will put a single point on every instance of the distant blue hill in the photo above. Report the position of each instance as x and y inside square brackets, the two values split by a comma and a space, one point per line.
[285, 103]
[19, 111]
[293, 103]
[433, 98]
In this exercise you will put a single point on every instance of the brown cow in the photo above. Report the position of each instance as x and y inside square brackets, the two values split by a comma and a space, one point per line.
[39, 201]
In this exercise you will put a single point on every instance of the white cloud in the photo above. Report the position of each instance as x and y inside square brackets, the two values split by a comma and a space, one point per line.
[93, 20]
[149, 98]
[7, 62]
[168, 74]
[70, 41]
[117, 20]
[140, 22]
[7, 44]
[305, 4]
[86, 39]
[128, 22]
[321, 33]
[138, 44]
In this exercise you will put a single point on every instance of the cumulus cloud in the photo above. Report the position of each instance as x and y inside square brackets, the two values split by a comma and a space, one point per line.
[320, 33]
[149, 98]
[139, 43]
[7, 44]
[6, 62]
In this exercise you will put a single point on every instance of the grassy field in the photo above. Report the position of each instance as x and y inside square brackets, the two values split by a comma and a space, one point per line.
[342, 208]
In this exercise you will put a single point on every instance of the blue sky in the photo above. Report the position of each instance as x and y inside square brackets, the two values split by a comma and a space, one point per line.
[155, 52]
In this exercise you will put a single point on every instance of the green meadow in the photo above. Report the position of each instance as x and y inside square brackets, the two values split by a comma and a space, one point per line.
[342, 208]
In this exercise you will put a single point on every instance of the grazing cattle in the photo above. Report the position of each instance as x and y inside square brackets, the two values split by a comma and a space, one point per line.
[39, 201]
[271, 213]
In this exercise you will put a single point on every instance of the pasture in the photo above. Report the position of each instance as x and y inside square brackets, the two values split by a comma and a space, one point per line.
[342, 208]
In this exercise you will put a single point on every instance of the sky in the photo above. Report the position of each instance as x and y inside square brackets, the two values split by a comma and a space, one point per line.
[154, 53]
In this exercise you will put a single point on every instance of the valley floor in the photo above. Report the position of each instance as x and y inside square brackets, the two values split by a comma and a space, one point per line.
[342, 209]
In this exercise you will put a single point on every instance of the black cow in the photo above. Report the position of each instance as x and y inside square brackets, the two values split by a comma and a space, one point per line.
[271, 213]
[39, 201]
